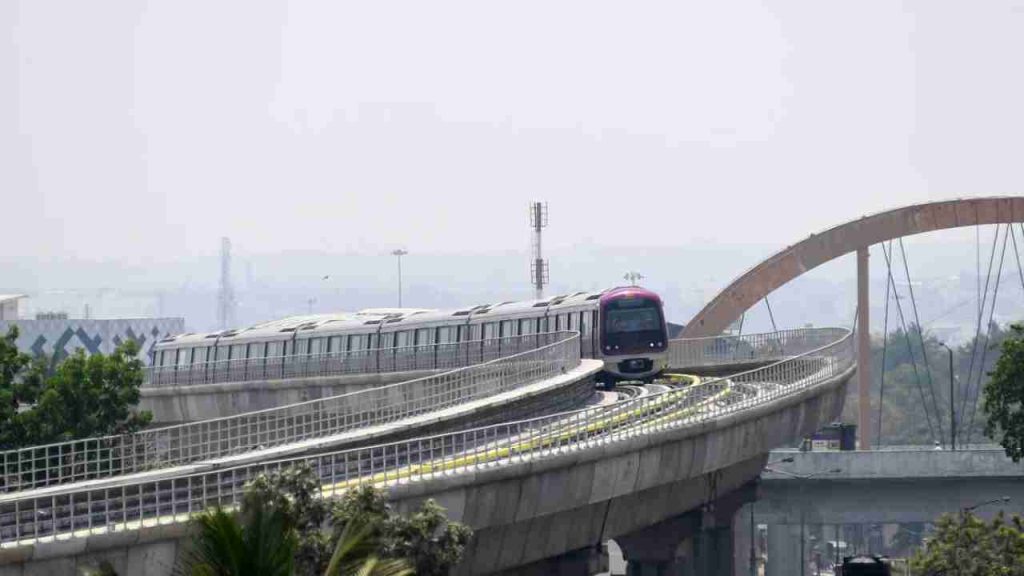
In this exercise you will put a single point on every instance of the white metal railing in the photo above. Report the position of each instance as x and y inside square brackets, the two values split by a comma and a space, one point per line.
[533, 358]
[69, 512]
[712, 351]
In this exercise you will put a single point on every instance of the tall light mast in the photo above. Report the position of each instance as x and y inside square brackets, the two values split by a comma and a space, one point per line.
[539, 266]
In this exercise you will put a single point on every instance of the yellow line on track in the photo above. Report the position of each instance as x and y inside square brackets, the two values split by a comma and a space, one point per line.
[562, 431]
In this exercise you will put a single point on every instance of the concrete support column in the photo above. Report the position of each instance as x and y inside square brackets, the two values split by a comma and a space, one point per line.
[713, 550]
[664, 549]
[742, 542]
[783, 550]
[863, 351]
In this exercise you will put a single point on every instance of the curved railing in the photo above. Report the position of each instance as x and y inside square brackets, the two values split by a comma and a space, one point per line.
[713, 351]
[545, 356]
[66, 512]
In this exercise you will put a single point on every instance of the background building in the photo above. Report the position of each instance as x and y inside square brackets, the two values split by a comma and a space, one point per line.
[9, 306]
[57, 336]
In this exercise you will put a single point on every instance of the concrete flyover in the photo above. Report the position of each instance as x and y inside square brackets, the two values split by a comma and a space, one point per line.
[907, 485]
[540, 493]
[547, 377]
[816, 249]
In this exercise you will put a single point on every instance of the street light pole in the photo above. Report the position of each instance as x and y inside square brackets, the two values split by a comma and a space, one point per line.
[952, 410]
[399, 253]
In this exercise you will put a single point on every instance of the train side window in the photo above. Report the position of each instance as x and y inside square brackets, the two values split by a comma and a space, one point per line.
[490, 330]
[584, 323]
[401, 339]
[223, 352]
[371, 341]
[444, 335]
[424, 337]
[508, 328]
[387, 339]
[356, 342]
[316, 345]
[542, 324]
[525, 326]
[257, 350]
[474, 332]
[462, 333]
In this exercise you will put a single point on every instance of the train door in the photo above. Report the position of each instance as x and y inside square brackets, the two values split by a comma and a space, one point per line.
[386, 352]
[586, 334]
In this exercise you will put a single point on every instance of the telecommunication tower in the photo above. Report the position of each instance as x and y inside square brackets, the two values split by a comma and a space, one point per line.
[539, 266]
[226, 294]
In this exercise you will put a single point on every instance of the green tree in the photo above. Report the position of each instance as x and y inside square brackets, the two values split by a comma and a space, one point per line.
[358, 552]
[263, 543]
[84, 396]
[965, 545]
[1004, 395]
[21, 380]
[363, 534]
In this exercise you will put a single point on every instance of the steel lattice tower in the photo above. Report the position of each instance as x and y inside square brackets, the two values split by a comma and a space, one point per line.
[539, 266]
[226, 293]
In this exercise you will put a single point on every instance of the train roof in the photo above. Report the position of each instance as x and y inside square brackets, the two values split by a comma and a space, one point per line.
[371, 318]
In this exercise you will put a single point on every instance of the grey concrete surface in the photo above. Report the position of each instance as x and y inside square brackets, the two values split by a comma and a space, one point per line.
[525, 512]
[897, 463]
[179, 404]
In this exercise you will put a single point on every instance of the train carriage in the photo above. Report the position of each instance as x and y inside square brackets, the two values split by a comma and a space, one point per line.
[624, 327]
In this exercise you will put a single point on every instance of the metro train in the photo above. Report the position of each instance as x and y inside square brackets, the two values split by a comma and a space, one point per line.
[624, 327]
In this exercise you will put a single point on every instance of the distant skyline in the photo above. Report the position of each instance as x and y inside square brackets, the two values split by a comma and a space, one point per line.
[146, 131]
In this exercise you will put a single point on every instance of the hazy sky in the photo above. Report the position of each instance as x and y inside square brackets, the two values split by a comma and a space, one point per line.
[152, 128]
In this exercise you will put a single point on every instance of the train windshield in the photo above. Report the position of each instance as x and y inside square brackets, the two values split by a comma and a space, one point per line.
[634, 318]
[632, 324]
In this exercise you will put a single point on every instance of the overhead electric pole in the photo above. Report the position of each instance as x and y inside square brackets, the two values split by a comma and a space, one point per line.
[539, 266]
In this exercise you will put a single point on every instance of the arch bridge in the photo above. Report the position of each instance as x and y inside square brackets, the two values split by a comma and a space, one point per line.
[853, 236]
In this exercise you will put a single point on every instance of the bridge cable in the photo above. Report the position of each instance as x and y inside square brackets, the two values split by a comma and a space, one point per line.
[1013, 237]
[920, 337]
[977, 331]
[988, 336]
[910, 349]
[770, 315]
[977, 257]
[885, 345]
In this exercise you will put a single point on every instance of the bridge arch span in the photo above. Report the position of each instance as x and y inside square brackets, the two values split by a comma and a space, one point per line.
[815, 250]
